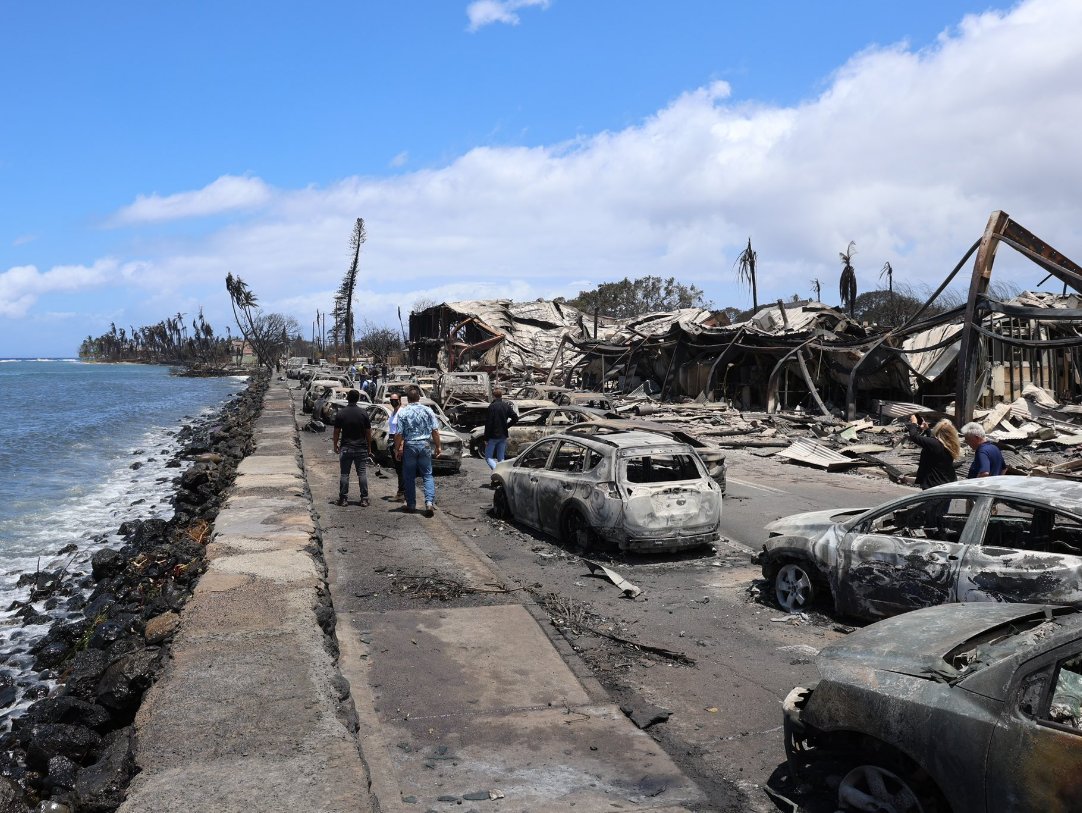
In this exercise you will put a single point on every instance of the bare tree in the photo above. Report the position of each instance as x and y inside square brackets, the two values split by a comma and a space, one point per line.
[349, 283]
[423, 303]
[746, 263]
[818, 289]
[379, 342]
[847, 283]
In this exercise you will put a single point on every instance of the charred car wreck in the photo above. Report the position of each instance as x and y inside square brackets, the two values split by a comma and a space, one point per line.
[956, 709]
[638, 490]
[1001, 539]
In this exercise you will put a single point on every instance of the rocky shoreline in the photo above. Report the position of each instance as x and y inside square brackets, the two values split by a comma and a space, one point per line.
[71, 752]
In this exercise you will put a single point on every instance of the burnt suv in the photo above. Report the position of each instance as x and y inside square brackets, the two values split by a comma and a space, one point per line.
[638, 490]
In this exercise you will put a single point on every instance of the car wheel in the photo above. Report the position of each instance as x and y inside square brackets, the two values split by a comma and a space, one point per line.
[501, 507]
[575, 529]
[888, 788]
[794, 587]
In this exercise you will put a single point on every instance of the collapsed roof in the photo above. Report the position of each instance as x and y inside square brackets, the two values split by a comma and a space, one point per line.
[787, 353]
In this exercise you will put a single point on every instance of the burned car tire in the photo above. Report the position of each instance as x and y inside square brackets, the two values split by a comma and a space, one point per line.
[575, 529]
[501, 508]
[882, 784]
[795, 587]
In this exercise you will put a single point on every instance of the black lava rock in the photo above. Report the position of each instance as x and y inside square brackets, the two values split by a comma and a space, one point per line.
[106, 563]
[48, 740]
[103, 785]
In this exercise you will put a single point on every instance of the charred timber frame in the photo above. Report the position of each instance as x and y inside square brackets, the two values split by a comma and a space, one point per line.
[1000, 228]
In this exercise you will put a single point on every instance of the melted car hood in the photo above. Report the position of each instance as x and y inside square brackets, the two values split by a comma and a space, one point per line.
[916, 642]
[812, 523]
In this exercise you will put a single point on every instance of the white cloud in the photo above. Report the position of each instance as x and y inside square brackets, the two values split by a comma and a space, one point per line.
[400, 160]
[21, 286]
[228, 193]
[23, 239]
[906, 152]
[486, 12]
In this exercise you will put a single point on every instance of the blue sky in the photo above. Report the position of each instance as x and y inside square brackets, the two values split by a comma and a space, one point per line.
[515, 148]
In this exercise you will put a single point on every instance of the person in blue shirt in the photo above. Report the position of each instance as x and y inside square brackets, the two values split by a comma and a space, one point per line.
[987, 458]
[418, 438]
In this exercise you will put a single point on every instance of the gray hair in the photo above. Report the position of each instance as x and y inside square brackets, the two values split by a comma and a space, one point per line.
[973, 430]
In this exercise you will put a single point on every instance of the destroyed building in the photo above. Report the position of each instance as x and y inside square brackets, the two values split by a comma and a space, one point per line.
[787, 356]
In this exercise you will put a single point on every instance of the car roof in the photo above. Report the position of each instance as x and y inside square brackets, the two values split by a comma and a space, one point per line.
[1052, 492]
[621, 440]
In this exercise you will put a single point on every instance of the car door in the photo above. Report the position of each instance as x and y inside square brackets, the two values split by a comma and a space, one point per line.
[559, 481]
[903, 557]
[525, 480]
[529, 427]
[1035, 751]
[1026, 552]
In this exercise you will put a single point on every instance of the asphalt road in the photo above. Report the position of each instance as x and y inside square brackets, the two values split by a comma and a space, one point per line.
[700, 641]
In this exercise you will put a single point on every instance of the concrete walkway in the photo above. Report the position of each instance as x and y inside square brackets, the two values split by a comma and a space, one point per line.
[251, 713]
[471, 708]
[467, 703]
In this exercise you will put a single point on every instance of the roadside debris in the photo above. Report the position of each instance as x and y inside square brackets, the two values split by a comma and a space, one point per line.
[629, 590]
[645, 715]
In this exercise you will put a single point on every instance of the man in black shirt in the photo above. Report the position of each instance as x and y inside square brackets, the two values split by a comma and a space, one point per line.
[353, 445]
[500, 417]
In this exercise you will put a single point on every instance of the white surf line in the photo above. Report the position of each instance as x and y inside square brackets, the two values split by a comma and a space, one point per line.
[756, 485]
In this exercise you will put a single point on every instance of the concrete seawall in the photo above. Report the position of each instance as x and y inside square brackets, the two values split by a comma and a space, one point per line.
[251, 713]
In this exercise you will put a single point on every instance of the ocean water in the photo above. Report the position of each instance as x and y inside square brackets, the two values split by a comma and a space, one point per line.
[69, 435]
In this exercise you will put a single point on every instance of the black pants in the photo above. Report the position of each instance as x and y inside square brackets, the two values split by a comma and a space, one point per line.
[351, 457]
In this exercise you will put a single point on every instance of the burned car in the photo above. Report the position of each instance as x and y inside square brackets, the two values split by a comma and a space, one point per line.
[562, 396]
[534, 424]
[451, 441]
[972, 708]
[637, 490]
[988, 539]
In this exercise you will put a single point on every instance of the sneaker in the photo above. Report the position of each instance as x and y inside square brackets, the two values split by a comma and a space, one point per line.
[429, 509]
[341, 501]
[400, 497]
[364, 502]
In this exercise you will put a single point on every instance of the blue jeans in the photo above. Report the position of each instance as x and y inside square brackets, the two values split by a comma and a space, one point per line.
[495, 451]
[417, 462]
[349, 458]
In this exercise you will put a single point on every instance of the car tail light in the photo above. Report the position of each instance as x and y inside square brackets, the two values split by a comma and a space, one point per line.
[609, 490]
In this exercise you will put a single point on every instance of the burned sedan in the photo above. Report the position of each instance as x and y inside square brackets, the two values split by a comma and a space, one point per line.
[963, 708]
[990, 539]
[637, 490]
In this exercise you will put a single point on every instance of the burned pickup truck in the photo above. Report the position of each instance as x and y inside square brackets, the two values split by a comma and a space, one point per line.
[957, 709]
[1009, 539]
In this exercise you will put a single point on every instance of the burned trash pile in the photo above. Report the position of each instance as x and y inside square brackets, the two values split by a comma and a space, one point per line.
[73, 748]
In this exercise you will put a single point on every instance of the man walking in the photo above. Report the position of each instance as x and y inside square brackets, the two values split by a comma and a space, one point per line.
[392, 439]
[987, 458]
[499, 417]
[418, 435]
[353, 444]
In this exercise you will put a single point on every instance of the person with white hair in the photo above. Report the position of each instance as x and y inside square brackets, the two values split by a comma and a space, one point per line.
[987, 458]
